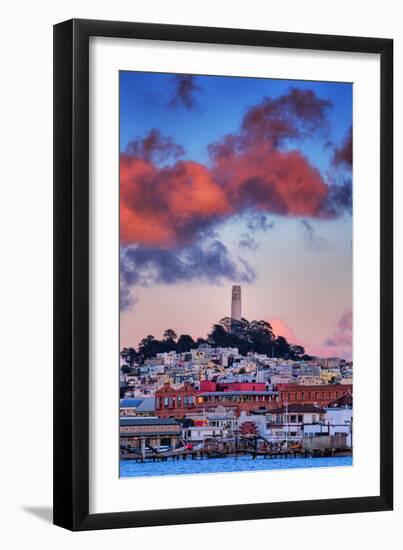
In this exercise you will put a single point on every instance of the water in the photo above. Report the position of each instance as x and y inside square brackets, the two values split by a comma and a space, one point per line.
[130, 468]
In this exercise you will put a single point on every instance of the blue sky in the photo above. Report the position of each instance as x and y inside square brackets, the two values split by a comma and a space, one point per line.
[221, 103]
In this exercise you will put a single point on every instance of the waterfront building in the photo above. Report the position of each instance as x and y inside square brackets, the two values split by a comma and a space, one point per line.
[340, 421]
[218, 423]
[142, 433]
[320, 395]
[295, 421]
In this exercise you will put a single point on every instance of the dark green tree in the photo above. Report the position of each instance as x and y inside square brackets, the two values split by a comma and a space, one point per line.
[170, 335]
[218, 336]
[129, 355]
[185, 343]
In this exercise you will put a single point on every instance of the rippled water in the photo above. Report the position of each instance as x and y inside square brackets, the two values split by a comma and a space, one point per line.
[130, 468]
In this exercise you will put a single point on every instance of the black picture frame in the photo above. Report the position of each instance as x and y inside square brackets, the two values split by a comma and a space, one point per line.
[71, 274]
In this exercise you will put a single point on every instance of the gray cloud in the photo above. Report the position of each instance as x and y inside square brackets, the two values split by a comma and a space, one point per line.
[205, 262]
[312, 240]
[185, 91]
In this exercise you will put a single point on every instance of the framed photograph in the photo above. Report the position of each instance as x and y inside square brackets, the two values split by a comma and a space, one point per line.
[223, 321]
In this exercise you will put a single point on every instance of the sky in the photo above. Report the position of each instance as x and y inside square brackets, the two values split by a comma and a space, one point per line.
[230, 180]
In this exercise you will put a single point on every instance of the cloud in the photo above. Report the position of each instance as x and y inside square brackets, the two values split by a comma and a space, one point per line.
[343, 335]
[247, 241]
[346, 321]
[170, 207]
[202, 262]
[255, 169]
[185, 89]
[339, 199]
[343, 155]
[154, 147]
[127, 299]
[281, 328]
[312, 240]
[296, 114]
[255, 222]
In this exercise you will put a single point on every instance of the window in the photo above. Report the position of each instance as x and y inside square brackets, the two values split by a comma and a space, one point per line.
[303, 396]
[293, 418]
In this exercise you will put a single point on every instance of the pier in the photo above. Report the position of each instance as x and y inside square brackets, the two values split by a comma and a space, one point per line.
[241, 446]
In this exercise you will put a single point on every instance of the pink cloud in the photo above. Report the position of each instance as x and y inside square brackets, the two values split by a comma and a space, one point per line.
[280, 328]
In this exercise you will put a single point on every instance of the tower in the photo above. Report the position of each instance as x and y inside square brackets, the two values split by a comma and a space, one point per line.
[236, 303]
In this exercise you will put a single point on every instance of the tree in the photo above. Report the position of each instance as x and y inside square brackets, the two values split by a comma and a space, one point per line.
[226, 323]
[261, 336]
[170, 335]
[296, 352]
[218, 336]
[282, 347]
[201, 342]
[149, 347]
[129, 355]
[254, 336]
[185, 343]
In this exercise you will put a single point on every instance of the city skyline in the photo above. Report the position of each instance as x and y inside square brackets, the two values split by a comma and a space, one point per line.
[228, 181]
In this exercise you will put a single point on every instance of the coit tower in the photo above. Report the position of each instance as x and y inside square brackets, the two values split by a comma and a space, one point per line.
[236, 303]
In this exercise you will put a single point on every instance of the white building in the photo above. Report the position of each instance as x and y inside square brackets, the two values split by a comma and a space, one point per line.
[218, 423]
[340, 420]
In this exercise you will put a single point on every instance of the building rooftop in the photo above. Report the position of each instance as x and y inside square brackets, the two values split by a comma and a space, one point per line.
[305, 408]
[149, 434]
[316, 387]
[342, 401]
[237, 392]
[130, 403]
[148, 421]
[147, 405]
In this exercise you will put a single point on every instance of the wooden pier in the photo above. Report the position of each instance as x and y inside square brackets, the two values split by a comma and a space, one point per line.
[255, 454]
